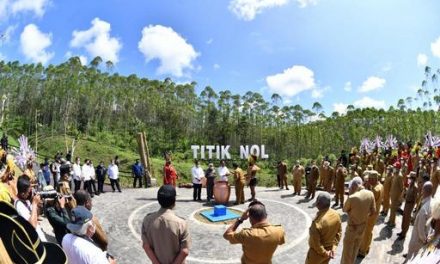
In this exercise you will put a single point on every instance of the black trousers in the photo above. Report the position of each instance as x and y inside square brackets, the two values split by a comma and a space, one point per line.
[77, 185]
[135, 178]
[115, 182]
[101, 180]
[210, 190]
[88, 187]
[93, 185]
[197, 191]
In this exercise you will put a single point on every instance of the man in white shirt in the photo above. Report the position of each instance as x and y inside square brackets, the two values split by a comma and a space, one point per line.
[419, 235]
[223, 171]
[113, 175]
[76, 168]
[79, 246]
[27, 209]
[197, 175]
[87, 176]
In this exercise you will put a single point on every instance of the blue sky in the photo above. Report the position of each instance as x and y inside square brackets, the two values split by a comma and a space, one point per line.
[366, 53]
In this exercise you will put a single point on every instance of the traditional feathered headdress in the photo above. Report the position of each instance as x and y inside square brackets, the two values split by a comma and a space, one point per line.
[391, 142]
[366, 146]
[24, 154]
[431, 141]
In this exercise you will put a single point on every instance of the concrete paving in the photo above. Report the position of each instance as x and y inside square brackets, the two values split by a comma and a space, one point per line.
[122, 213]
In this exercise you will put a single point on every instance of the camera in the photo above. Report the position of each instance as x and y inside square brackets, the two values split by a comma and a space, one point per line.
[52, 194]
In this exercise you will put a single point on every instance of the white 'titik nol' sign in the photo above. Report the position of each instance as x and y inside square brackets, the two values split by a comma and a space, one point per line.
[222, 152]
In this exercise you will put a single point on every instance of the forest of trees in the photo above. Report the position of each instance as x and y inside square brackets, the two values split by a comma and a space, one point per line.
[76, 100]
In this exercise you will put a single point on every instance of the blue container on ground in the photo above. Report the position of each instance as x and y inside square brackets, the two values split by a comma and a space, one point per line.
[219, 210]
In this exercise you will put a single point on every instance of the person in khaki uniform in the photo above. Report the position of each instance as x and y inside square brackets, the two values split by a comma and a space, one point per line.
[239, 181]
[396, 192]
[282, 174]
[298, 174]
[379, 165]
[377, 190]
[341, 173]
[410, 202]
[165, 236]
[386, 190]
[261, 240]
[314, 176]
[323, 173]
[324, 233]
[328, 185]
[360, 204]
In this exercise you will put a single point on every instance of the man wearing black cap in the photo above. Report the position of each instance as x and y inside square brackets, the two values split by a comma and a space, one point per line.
[165, 236]
[79, 246]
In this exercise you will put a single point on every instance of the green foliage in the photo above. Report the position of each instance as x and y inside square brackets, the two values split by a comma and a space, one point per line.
[105, 110]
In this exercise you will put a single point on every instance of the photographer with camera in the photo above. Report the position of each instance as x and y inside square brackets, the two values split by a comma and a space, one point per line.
[27, 204]
[58, 217]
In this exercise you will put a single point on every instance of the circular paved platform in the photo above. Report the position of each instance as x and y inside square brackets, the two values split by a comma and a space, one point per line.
[122, 213]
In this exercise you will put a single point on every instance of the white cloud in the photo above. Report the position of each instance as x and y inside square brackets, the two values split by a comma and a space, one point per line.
[317, 93]
[35, 6]
[341, 108]
[174, 53]
[369, 102]
[248, 9]
[305, 3]
[291, 81]
[34, 43]
[435, 48]
[347, 87]
[216, 66]
[371, 84]
[422, 59]
[2, 57]
[97, 41]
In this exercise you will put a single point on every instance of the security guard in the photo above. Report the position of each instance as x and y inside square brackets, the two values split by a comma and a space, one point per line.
[386, 190]
[324, 233]
[341, 173]
[360, 204]
[282, 175]
[377, 189]
[396, 192]
[298, 174]
[410, 202]
[261, 240]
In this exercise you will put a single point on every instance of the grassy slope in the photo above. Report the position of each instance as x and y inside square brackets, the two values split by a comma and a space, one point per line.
[97, 151]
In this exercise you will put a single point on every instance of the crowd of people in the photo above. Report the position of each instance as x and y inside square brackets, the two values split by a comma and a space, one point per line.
[364, 186]
[62, 192]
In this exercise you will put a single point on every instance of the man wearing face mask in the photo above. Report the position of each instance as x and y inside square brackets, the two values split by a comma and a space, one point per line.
[79, 246]
[396, 192]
